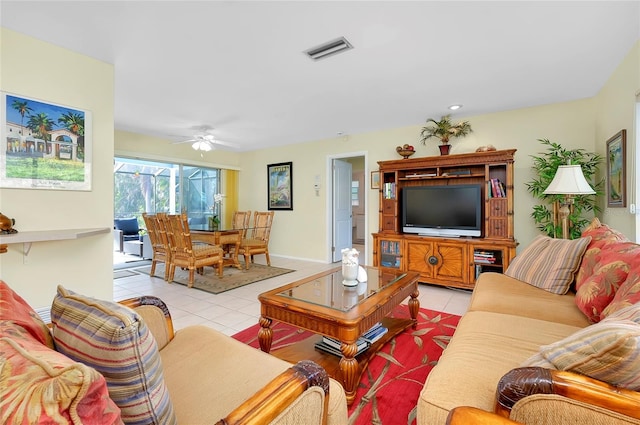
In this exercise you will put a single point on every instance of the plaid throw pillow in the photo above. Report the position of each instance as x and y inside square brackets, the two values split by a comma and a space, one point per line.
[115, 341]
[549, 264]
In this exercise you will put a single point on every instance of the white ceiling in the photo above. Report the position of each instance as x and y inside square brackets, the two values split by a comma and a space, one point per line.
[239, 67]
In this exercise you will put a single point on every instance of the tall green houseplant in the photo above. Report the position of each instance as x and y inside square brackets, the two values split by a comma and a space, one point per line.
[545, 166]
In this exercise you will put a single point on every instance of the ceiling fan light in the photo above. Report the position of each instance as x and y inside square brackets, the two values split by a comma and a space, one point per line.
[201, 145]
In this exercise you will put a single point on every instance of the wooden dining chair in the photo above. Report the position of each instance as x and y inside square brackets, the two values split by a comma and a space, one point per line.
[159, 244]
[241, 221]
[187, 254]
[258, 241]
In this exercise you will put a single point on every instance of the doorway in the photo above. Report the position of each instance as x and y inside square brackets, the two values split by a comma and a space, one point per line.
[353, 189]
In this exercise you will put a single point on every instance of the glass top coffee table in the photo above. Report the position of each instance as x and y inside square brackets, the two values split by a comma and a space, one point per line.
[324, 305]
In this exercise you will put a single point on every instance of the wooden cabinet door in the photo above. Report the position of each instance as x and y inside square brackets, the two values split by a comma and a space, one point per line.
[439, 261]
[453, 264]
[418, 254]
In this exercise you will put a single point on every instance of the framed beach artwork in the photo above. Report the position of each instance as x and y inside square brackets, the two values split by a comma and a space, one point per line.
[44, 145]
[375, 180]
[616, 172]
[280, 186]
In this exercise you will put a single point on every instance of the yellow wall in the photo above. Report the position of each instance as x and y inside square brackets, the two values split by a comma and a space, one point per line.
[304, 232]
[85, 265]
[615, 110]
[42, 71]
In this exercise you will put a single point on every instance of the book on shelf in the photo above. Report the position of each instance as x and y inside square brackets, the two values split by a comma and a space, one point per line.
[332, 345]
[485, 257]
[389, 191]
[374, 334]
[322, 346]
[485, 260]
[496, 189]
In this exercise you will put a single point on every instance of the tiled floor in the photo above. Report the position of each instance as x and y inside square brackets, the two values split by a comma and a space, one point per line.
[235, 310]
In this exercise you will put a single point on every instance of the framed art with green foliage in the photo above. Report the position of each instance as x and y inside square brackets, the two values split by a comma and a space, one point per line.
[545, 166]
[44, 145]
[616, 172]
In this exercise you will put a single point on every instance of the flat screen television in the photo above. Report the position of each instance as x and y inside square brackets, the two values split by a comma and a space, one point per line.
[447, 211]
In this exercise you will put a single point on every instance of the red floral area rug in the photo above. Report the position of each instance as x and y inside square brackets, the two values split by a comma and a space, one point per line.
[389, 387]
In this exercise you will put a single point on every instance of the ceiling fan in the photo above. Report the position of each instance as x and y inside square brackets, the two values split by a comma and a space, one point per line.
[205, 142]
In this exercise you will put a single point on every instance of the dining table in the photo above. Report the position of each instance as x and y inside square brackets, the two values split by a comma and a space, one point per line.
[229, 240]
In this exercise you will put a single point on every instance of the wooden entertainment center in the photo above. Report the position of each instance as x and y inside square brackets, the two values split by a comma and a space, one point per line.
[448, 261]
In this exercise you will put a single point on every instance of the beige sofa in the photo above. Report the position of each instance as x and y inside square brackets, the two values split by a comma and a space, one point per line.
[507, 322]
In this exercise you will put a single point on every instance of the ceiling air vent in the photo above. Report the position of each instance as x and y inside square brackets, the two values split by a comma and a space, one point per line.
[329, 49]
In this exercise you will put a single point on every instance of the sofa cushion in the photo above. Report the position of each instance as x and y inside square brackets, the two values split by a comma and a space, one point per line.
[485, 346]
[234, 371]
[609, 265]
[129, 226]
[42, 386]
[114, 340]
[608, 351]
[495, 292]
[549, 264]
[15, 309]
[627, 295]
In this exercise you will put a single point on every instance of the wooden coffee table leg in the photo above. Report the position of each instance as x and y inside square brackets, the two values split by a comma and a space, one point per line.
[414, 307]
[265, 334]
[350, 370]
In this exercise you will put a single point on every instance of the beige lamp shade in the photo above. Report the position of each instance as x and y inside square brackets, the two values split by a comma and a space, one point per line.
[569, 180]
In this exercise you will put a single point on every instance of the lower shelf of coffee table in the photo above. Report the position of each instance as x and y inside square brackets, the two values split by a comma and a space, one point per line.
[305, 350]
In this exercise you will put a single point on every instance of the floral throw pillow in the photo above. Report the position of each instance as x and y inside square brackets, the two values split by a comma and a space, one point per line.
[627, 295]
[42, 386]
[14, 308]
[609, 271]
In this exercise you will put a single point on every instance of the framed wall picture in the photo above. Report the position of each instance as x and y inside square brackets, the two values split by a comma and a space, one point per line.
[375, 180]
[280, 186]
[44, 145]
[616, 170]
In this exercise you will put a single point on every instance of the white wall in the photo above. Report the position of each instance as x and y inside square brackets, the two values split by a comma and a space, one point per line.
[42, 71]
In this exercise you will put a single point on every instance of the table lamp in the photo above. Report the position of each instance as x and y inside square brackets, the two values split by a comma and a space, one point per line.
[568, 181]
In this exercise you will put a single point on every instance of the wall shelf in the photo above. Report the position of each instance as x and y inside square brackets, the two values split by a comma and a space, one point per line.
[29, 237]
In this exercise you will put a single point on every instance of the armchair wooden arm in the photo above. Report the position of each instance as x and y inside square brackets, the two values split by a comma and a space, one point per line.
[264, 406]
[466, 415]
[522, 382]
[155, 314]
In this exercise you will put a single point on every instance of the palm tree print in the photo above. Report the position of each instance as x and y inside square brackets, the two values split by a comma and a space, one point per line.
[74, 123]
[23, 109]
[42, 125]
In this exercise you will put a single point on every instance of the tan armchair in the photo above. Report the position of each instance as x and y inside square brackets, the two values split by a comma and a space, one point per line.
[258, 241]
[212, 378]
[185, 253]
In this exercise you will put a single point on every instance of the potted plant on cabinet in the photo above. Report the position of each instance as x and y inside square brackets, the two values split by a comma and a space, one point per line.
[444, 130]
[545, 167]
